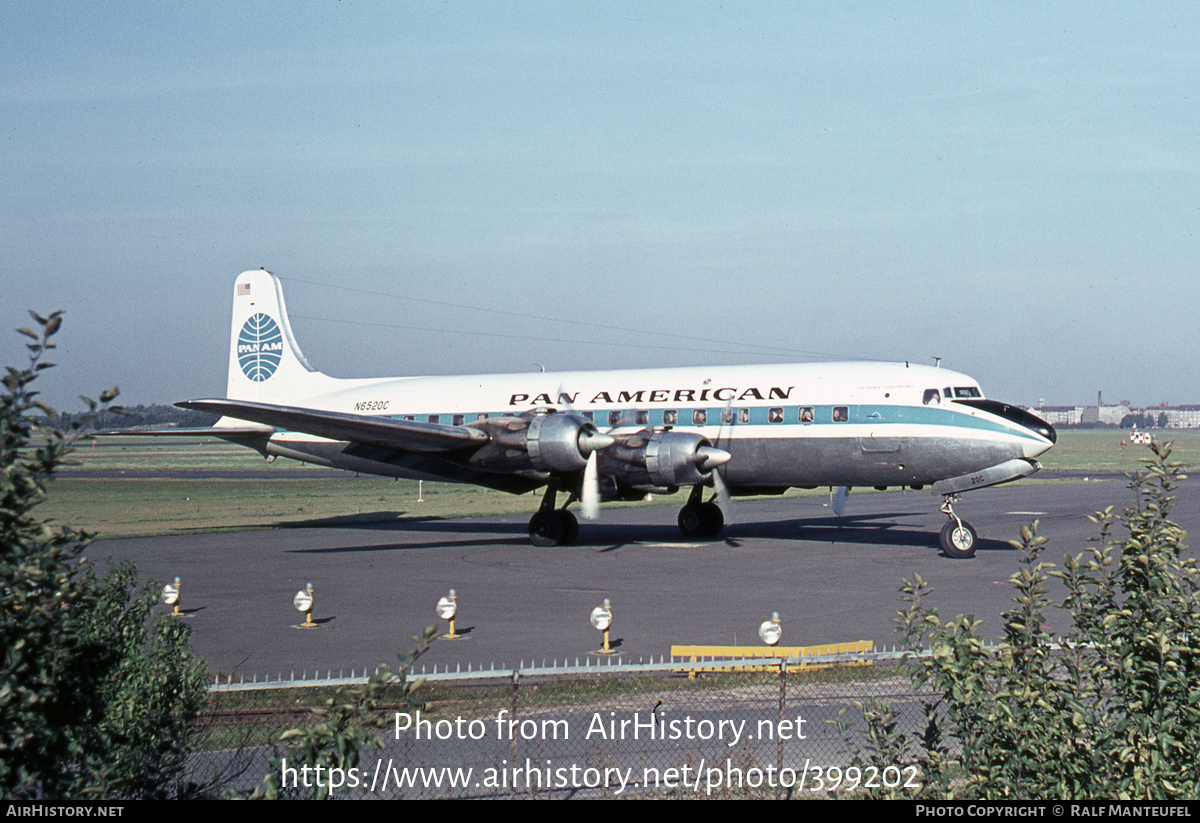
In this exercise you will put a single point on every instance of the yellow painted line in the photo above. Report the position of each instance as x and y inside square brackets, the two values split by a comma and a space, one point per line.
[699, 653]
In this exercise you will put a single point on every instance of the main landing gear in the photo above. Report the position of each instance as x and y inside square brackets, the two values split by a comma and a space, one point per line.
[958, 538]
[699, 519]
[553, 527]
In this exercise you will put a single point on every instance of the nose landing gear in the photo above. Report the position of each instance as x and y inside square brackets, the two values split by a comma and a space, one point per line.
[957, 538]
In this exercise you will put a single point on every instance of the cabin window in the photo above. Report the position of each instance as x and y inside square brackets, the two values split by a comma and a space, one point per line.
[743, 415]
[806, 414]
[481, 416]
[433, 418]
[457, 420]
[614, 418]
[408, 417]
[841, 414]
[726, 416]
[775, 416]
[670, 417]
[641, 418]
[588, 415]
[699, 417]
[931, 396]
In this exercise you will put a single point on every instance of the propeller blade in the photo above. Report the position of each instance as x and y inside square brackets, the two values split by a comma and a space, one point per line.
[724, 498]
[589, 498]
[839, 499]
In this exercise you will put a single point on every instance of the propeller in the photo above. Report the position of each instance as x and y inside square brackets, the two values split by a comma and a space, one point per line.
[839, 499]
[710, 459]
[589, 500]
[591, 441]
[723, 497]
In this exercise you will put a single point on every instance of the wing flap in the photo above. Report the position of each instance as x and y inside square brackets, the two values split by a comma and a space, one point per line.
[386, 432]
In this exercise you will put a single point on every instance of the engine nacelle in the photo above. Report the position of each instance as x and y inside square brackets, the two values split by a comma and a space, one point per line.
[556, 442]
[662, 459]
[542, 441]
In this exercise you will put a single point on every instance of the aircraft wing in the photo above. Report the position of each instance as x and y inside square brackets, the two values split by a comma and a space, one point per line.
[385, 432]
[180, 431]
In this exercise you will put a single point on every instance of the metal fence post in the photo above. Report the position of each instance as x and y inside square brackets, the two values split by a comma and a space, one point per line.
[779, 720]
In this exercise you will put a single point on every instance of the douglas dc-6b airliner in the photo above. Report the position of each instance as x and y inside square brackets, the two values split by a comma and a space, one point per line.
[618, 435]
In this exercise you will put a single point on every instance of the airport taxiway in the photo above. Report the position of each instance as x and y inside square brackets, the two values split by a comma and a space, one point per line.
[831, 579]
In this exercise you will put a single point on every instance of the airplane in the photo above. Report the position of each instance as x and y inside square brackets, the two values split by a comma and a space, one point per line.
[620, 435]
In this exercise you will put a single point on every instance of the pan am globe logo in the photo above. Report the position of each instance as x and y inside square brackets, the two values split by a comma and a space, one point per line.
[259, 347]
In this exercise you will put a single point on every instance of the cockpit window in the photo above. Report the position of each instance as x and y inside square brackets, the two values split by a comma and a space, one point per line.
[967, 391]
[931, 396]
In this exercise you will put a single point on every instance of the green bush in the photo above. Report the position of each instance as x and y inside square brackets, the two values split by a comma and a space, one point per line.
[1111, 711]
[95, 694]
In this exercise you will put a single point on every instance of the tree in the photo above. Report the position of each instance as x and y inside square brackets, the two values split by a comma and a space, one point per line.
[1112, 712]
[94, 693]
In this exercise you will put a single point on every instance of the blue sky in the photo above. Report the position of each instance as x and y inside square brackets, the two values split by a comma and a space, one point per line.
[1012, 187]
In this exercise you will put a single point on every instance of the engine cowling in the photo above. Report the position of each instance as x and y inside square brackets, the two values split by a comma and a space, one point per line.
[562, 442]
[541, 441]
[663, 459]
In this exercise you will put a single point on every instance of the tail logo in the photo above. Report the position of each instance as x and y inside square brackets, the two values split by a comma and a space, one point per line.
[259, 347]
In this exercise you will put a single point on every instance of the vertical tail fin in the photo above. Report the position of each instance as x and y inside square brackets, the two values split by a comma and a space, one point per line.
[265, 362]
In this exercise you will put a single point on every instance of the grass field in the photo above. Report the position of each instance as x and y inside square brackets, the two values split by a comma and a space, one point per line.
[250, 493]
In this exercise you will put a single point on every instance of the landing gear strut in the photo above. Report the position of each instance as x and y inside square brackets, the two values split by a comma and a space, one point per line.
[698, 519]
[553, 527]
[957, 538]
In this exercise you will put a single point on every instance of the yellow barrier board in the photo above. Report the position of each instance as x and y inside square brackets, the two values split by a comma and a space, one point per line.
[700, 653]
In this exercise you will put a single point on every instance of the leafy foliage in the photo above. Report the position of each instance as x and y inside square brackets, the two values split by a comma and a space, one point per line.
[1112, 712]
[94, 696]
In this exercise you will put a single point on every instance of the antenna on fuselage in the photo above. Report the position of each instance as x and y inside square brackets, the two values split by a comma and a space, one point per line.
[937, 362]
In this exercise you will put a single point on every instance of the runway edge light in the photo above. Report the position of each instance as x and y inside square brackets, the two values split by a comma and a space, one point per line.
[170, 596]
[447, 609]
[601, 618]
[303, 601]
[770, 631]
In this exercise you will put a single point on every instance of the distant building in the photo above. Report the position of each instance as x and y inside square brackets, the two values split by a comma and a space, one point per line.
[1109, 415]
[1162, 414]
[1061, 415]
[1180, 417]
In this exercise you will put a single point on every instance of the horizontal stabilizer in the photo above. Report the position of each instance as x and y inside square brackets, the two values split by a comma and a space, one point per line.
[385, 432]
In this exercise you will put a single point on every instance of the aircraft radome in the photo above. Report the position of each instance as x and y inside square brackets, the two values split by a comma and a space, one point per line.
[618, 435]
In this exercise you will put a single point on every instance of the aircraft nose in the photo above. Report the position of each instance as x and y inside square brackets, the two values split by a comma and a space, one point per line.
[1021, 417]
[1047, 431]
[1034, 423]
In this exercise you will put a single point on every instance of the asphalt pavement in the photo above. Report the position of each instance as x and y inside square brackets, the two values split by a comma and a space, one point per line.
[832, 579]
